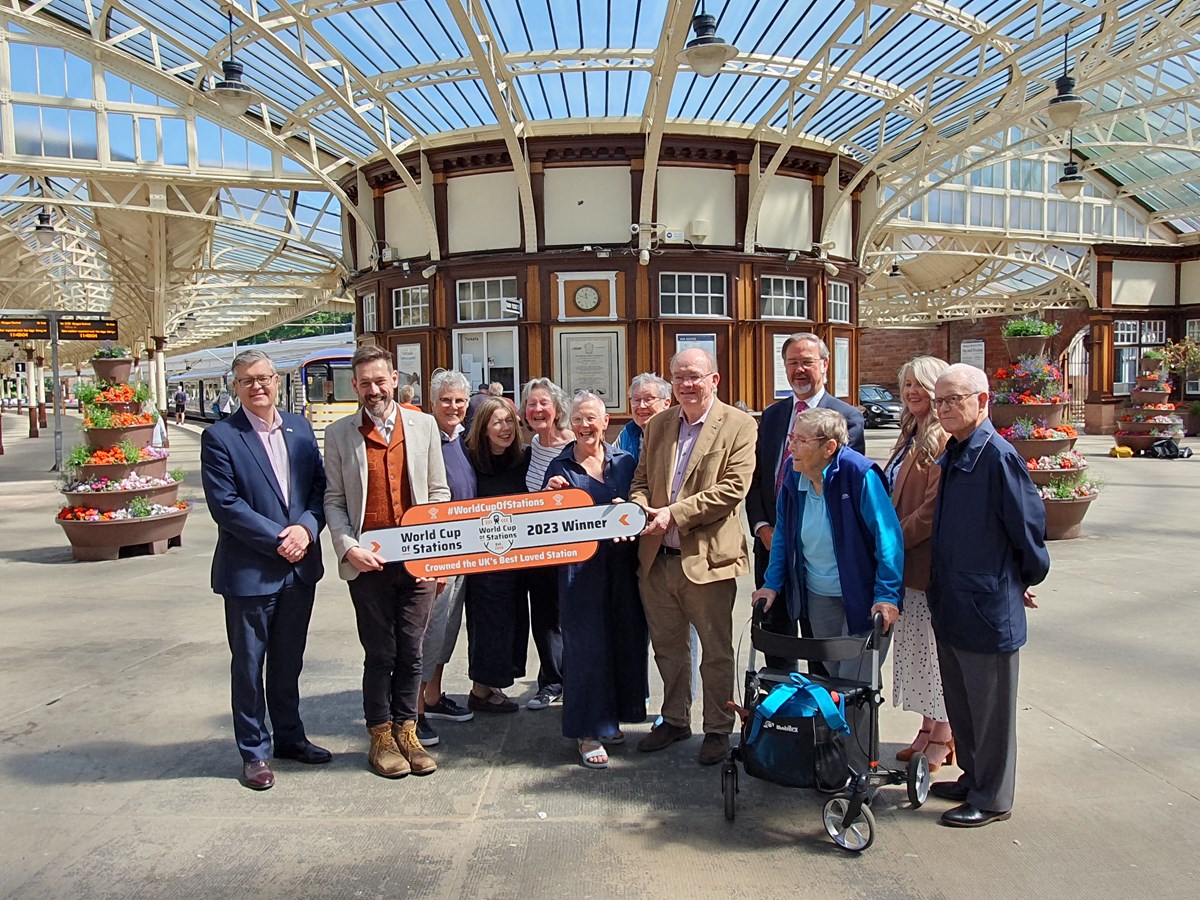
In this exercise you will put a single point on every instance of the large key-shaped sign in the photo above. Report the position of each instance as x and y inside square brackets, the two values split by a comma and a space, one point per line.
[459, 537]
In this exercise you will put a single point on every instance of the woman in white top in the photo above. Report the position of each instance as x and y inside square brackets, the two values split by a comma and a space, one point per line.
[545, 411]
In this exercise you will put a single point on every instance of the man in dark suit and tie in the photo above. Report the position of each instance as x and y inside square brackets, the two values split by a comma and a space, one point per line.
[265, 485]
[806, 361]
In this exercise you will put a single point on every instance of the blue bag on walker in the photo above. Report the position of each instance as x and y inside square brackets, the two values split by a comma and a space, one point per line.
[792, 737]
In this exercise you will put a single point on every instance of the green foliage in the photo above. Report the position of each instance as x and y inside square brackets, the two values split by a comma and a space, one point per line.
[1182, 356]
[86, 393]
[115, 351]
[309, 326]
[129, 450]
[1029, 326]
[141, 393]
[139, 507]
[177, 474]
[1194, 408]
[78, 456]
[99, 416]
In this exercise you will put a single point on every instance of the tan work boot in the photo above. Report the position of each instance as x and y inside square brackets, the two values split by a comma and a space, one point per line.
[417, 756]
[385, 757]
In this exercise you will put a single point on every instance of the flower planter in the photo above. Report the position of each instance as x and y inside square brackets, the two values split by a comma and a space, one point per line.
[1148, 396]
[1046, 476]
[150, 468]
[1026, 346]
[1150, 364]
[114, 371]
[130, 407]
[1147, 427]
[100, 438]
[107, 501]
[1149, 383]
[1005, 414]
[1038, 449]
[1138, 443]
[92, 541]
[1064, 518]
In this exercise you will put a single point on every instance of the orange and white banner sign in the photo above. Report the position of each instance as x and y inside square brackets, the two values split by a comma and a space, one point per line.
[491, 534]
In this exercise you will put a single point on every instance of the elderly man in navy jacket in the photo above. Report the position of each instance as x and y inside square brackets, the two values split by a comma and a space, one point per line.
[989, 532]
[265, 485]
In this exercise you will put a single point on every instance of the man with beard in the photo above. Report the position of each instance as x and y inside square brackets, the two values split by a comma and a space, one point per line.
[379, 462]
[806, 361]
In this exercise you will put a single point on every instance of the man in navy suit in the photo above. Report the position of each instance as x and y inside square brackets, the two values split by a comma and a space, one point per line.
[806, 361]
[989, 546]
[265, 485]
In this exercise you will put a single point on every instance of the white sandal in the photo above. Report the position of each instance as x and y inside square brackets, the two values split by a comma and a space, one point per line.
[590, 757]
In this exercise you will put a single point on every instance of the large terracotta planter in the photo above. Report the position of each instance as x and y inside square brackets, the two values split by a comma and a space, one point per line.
[1038, 449]
[1064, 518]
[130, 407]
[114, 371]
[1139, 397]
[151, 468]
[1147, 383]
[1045, 476]
[91, 541]
[1026, 346]
[100, 438]
[1005, 414]
[1147, 427]
[1138, 443]
[107, 501]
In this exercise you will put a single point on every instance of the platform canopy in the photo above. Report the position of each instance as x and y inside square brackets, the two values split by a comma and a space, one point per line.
[199, 224]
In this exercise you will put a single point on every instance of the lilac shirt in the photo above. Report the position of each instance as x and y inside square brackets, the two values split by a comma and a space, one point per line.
[688, 433]
[273, 443]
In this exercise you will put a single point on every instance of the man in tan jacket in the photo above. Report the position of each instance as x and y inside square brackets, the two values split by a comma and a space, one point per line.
[696, 465]
[379, 462]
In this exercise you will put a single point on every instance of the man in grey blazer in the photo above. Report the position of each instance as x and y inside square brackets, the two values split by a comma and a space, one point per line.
[379, 462]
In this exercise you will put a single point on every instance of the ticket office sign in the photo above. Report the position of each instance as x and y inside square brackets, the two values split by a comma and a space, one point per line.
[493, 534]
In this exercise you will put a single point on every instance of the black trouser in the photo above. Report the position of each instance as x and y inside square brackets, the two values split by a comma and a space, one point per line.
[544, 624]
[777, 620]
[392, 609]
[497, 627]
[267, 632]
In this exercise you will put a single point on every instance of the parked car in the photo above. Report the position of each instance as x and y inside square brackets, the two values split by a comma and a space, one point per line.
[880, 407]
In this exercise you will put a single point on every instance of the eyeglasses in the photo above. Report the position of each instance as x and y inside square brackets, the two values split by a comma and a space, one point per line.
[803, 363]
[645, 401]
[260, 380]
[795, 439]
[682, 380]
[951, 401]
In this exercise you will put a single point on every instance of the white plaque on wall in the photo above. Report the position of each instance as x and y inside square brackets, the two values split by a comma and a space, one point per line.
[971, 352]
[841, 367]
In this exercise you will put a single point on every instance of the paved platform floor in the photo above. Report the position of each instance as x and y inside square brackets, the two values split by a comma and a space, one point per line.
[118, 768]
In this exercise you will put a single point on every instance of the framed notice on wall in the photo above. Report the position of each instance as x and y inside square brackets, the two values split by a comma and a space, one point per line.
[592, 359]
[783, 387]
[408, 367]
[841, 367]
[971, 352]
[703, 341]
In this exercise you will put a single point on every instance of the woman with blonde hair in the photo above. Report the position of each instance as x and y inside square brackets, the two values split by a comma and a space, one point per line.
[913, 476]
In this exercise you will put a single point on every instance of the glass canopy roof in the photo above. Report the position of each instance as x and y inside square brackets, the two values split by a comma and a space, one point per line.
[918, 91]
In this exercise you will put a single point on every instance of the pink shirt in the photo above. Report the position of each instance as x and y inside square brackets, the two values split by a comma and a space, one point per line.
[273, 443]
[688, 433]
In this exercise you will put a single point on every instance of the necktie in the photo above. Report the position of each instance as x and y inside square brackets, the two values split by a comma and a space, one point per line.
[785, 463]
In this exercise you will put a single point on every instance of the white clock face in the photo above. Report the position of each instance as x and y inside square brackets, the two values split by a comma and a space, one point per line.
[587, 298]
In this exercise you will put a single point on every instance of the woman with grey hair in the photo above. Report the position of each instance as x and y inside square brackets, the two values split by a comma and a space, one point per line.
[544, 411]
[603, 624]
[648, 395]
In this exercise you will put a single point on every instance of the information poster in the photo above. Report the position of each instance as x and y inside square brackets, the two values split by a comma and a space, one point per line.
[841, 367]
[408, 366]
[783, 387]
[703, 341]
[593, 360]
[972, 353]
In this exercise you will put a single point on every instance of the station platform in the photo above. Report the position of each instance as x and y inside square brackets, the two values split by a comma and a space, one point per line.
[118, 770]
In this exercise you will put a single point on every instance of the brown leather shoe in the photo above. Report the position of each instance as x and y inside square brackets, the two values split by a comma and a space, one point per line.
[419, 760]
[662, 736]
[713, 750]
[257, 775]
[385, 757]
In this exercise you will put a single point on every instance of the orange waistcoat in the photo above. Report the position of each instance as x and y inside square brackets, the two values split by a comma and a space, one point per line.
[388, 493]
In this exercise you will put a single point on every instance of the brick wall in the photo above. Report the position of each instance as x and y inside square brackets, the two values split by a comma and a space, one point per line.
[882, 351]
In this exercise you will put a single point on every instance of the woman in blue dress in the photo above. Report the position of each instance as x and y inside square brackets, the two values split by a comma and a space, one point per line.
[605, 656]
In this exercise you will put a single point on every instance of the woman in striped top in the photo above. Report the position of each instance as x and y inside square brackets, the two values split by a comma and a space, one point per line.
[545, 411]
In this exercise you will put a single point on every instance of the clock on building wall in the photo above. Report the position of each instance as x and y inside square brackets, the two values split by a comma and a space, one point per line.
[586, 298]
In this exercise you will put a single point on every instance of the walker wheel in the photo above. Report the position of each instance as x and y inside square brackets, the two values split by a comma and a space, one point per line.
[856, 836]
[918, 780]
[729, 787]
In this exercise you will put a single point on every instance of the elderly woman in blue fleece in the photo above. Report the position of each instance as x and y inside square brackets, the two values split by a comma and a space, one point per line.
[837, 546]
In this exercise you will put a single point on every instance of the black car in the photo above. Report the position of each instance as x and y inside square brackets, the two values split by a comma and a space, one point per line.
[879, 406]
